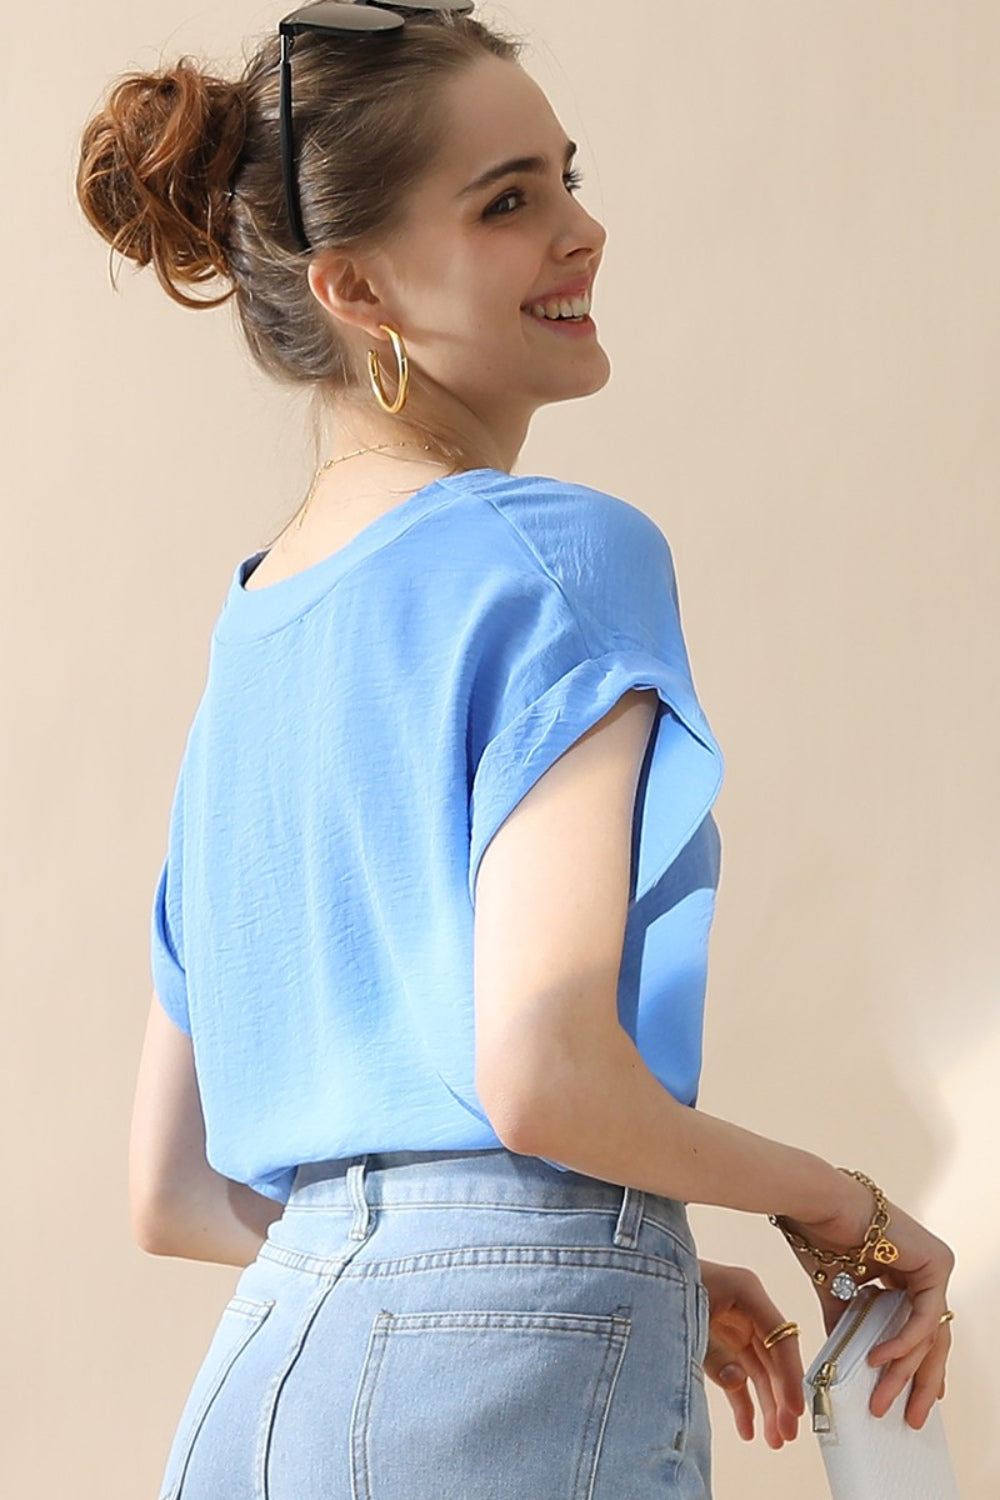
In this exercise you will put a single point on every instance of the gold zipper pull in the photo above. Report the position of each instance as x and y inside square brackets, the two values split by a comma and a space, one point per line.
[822, 1410]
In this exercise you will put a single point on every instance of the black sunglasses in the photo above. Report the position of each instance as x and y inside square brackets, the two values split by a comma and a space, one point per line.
[335, 17]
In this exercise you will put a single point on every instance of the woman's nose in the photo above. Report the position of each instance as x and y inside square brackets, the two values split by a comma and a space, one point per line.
[589, 232]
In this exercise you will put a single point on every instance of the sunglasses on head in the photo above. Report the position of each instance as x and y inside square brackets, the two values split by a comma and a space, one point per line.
[335, 18]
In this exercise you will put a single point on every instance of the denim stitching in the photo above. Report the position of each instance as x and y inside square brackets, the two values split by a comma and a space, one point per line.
[579, 1256]
[617, 1341]
[301, 1260]
[525, 1208]
[273, 1394]
[363, 1397]
[256, 1313]
[398, 1205]
[471, 1320]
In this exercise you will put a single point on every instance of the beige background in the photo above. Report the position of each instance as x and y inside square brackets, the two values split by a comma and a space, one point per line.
[800, 301]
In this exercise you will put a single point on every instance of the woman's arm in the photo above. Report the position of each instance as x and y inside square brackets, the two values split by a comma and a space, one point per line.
[559, 1077]
[556, 1073]
[179, 1204]
[585, 1098]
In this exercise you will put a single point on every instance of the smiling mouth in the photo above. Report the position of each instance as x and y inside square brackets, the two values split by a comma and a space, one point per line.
[537, 318]
[554, 309]
[584, 323]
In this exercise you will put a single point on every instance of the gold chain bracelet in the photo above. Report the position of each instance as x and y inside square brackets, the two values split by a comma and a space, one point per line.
[874, 1244]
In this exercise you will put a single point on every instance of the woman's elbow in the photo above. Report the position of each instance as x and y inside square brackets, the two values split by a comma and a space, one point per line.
[548, 1088]
[150, 1225]
[526, 1112]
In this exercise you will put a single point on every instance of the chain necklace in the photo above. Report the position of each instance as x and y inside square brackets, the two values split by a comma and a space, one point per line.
[331, 461]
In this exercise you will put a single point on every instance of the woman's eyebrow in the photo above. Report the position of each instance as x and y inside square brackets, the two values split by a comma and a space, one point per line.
[516, 164]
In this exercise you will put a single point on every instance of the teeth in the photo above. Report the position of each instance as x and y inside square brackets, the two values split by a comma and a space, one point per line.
[561, 307]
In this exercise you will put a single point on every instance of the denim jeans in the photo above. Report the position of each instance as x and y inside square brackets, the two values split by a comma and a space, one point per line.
[450, 1325]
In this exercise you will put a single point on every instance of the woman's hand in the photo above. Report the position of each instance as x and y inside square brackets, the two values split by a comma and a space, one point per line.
[740, 1317]
[919, 1351]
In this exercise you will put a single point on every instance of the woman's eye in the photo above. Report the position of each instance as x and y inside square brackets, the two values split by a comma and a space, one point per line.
[573, 180]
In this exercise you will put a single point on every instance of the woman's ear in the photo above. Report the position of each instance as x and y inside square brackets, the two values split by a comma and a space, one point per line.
[340, 285]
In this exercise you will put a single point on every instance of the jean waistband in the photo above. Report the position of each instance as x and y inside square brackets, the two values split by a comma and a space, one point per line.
[496, 1178]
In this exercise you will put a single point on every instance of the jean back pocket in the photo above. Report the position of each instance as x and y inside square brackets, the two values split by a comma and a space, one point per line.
[506, 1403]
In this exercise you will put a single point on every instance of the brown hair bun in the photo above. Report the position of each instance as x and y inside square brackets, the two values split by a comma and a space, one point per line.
[154, 173]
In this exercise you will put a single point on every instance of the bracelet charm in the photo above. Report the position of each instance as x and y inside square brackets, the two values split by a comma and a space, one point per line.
[844, 1286]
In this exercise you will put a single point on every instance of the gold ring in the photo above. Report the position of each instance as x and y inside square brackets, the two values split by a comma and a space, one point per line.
[783, 1331]
[946, 1317]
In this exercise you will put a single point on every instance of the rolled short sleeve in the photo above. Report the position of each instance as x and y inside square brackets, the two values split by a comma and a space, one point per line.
[169, 978]
[600, 619]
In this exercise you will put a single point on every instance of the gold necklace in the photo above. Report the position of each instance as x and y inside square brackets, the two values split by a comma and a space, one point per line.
[331, 461]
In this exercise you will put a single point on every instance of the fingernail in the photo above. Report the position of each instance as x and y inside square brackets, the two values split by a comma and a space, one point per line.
[731, 1373]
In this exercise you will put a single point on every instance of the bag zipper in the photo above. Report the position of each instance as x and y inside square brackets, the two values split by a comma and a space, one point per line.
[822, 1409]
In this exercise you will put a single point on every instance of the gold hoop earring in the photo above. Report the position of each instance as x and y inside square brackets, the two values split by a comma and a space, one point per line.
[402, 372]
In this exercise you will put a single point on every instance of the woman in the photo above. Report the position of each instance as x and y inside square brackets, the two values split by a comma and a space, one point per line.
[429, 940]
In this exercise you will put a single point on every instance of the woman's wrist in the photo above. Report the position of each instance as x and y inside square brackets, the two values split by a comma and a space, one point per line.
[844, 1225]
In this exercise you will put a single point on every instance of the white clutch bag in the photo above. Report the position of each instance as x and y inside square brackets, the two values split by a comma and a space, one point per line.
[868, 1457]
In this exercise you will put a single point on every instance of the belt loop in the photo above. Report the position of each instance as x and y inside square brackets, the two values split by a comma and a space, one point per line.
[356, 1189]
[629, 1217]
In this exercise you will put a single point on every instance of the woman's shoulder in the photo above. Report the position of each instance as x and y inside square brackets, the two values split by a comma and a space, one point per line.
[571, 526]
[526, 497]
[560, 550]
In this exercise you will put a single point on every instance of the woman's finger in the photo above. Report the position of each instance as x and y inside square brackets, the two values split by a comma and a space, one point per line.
[733, 1380]
[760, 1374]
[926, 1385]
[723, 1363]
[896, 1376]
[921, 1326]
[785, 1363]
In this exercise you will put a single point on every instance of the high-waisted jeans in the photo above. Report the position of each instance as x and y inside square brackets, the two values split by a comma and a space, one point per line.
[448, 1325]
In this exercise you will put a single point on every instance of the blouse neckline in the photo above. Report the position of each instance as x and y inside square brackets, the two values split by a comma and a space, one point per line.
[259, 611]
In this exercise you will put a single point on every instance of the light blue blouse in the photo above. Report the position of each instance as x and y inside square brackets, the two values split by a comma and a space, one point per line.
[365, 727]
